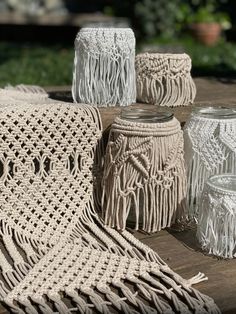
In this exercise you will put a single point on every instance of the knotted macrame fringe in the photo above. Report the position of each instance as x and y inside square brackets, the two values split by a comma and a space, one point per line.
[56, 255]
[164, 79]
[210, 149]
[217, 219]
[104, 69]
[144, 173]
[83, 252]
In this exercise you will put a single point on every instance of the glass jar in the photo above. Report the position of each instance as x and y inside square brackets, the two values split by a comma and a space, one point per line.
[147, 115]
[210, 148]
[144, 178]
[217, 216]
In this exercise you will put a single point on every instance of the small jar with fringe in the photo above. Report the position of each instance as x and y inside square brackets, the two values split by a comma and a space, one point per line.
[210, 148]
[164, 79]
[216, 230]
[144, 171]
[104, 67]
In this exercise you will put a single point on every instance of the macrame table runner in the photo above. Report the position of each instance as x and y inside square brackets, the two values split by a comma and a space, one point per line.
[104, 67]
[164, 79]
[144, 173]
[216, 230]
[56, 255]
[210, 148]
[22, 93]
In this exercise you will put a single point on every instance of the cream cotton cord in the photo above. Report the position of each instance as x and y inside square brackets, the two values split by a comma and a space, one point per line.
[144, 169]
[164, 79]
[56, 254]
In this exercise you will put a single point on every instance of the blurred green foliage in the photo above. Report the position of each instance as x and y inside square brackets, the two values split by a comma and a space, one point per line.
[35, 64]
[152, 18]
[218, 60]
[203, 11]
[48, 66]
[157, 17]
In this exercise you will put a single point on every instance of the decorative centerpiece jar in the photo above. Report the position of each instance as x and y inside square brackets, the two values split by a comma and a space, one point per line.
[210, 148]
[104, 67]
[144, 172]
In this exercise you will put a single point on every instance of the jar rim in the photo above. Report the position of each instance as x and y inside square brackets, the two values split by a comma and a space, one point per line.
[215, 112]
[225, 182]
[147, 115]
[95, 28]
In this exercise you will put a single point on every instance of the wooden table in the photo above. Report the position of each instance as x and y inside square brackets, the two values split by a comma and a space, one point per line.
[180, 249]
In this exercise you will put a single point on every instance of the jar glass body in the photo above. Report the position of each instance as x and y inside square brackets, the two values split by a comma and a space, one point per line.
[210, 148]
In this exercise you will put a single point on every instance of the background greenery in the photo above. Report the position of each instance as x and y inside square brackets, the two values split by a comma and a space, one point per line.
[159, 23]
[53, 65]
[35, 64]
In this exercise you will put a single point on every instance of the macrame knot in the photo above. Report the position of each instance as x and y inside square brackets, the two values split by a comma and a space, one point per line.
[80, 265]
[105, 64]
[210, 138]
[217, 216]
[164, 79]
[142, 171]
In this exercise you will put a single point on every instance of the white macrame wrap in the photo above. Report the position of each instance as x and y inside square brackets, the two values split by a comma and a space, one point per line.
[210, 148]
[164, 79]
[56, 255]
[216, 230]
[144, 175]
[104, 67]
[21, 93]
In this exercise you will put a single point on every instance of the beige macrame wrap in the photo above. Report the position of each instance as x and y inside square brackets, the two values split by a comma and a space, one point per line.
[56, 255]
[144, 173]
[164, 79]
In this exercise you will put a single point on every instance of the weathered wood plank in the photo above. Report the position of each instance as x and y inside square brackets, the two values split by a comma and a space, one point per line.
[180, 249]
[210, 91]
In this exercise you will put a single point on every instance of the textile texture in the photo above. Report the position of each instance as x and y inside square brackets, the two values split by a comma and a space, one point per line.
[104, 67]
[216, 228]
[210, 148]
[21, 93]
[56, 254]
[144, 175]
[164, 79]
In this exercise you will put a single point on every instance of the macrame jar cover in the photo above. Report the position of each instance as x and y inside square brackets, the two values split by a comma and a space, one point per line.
[104, 67]
[144, 172]
[216, 229]
[164, 79]
[56, 255]
[210, 148]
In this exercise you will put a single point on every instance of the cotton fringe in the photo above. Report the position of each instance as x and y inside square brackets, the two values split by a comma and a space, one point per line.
[144, 173]
[56, 255]
[164, 79]
[217, 217]
[104, 67]
[210, 148]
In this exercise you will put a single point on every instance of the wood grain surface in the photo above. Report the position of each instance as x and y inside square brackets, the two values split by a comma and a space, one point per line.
[180, 249]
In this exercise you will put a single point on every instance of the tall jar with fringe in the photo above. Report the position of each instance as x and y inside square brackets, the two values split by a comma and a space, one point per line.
[144, 171]
[104, 67]
[164, 79]
[216, 228]
[210, 148]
